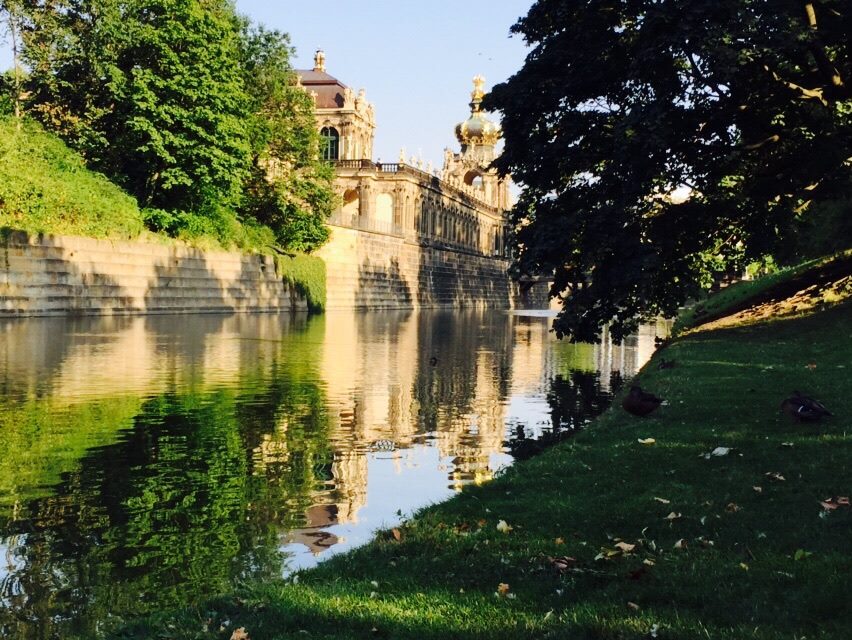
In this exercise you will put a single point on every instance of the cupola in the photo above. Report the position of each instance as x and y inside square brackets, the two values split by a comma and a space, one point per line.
[477, 130]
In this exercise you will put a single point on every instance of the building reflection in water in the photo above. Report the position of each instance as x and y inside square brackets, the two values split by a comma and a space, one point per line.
[152, 461]
[473, 387]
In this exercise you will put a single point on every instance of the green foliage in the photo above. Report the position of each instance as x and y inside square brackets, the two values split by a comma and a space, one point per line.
[46, 188]
[149, 90]
[307, 274]
[7, 84]
[619, 104]
[219, 228]
[289, 188]
[191, 108]
[825, 228]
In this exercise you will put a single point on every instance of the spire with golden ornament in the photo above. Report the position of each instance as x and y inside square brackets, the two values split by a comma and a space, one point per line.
[477, 130]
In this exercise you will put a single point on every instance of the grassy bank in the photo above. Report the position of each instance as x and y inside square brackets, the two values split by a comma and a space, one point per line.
[655, 540]
[46, 188]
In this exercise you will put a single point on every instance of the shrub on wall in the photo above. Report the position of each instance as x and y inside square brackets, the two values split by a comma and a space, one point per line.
[307, 274]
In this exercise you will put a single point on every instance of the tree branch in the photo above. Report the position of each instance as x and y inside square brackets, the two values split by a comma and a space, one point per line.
[817, 49]
[758, 145]
[815, 94]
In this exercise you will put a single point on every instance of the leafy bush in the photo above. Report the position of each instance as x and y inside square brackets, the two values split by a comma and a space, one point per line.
[307, 274]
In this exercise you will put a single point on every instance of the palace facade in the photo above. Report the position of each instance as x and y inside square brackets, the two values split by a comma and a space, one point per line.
[430, 221]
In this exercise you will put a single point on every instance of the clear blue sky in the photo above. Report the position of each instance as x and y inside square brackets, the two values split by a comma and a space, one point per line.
[414, 58]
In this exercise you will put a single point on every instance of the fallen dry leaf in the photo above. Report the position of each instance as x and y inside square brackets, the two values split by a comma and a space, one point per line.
[743, 566]
[240, 634]
[633, 606]
[673, 516]
[720, 451]
[625, 547]
[680, 544]
[843, 501]
[662, 500]
[811, 365]
[649, 562]
[559, 541]
[502, 588]
[503, 527]
[758, 489]
[732, 507]
[397, 534]
[775, 475]
[646, 441]
[828, 505]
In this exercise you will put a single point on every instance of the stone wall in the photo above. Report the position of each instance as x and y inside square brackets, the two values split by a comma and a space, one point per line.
[368, 270]
[533, 294]
[60, 275]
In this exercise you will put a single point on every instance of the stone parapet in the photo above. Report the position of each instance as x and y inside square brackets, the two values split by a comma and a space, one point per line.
[62, 275]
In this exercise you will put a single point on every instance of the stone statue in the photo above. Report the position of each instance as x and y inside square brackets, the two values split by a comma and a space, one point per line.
[319, 61]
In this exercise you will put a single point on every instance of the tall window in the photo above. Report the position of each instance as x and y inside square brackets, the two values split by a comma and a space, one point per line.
[330, 143]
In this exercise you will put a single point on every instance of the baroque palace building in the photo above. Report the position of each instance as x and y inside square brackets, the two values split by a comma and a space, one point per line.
[405, 235]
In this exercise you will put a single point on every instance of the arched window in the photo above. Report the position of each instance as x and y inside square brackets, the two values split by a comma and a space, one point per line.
[473, 179]
[330, 141]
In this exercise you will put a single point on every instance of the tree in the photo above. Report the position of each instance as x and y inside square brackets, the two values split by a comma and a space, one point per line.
[743, 106]
[149, 90]
[11, 21]
[289, 188]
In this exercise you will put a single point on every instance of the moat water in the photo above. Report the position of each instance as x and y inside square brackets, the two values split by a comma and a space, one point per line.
[146, 463]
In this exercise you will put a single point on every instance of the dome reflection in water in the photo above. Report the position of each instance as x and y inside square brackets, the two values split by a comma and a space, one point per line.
[151, 462]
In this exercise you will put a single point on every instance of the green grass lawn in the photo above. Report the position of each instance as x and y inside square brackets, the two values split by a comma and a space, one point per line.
[661, 540]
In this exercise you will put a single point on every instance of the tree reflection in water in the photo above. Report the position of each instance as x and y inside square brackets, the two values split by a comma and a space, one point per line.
[574, 401]
[149, 463]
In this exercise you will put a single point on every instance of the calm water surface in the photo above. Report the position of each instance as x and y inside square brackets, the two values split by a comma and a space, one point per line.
[150, 462]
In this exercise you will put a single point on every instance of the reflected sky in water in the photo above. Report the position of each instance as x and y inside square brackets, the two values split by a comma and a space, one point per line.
[152, 462]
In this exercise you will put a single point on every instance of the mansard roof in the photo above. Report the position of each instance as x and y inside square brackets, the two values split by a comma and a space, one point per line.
[329, 89]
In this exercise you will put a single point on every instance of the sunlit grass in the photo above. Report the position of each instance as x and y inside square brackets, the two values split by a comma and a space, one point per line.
[790, 292]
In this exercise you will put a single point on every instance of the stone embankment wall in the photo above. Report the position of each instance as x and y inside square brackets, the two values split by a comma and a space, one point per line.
[60, 275]
[367, 270]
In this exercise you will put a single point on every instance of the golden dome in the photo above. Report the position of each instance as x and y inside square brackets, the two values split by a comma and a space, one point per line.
[477, 129]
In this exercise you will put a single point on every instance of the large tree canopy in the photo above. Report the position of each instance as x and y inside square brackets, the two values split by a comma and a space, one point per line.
[743, 105]
[149, 90]
[290, 188]
[189, 106]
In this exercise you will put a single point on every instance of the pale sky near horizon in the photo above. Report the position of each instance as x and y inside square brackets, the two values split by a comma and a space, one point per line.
[415, 59]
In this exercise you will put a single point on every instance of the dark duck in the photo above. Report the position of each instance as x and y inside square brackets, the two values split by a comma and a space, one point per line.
[804, 409]
[640, 403]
